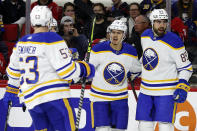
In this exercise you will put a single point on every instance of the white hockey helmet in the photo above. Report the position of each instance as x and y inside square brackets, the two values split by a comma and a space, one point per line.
[158, 14]
[118, 25]
[41, 16]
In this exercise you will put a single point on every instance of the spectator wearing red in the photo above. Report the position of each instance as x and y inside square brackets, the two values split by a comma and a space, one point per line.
[51, 5]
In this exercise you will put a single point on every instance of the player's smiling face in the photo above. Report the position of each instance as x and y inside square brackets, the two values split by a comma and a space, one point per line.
[116, 37]
[160, 27]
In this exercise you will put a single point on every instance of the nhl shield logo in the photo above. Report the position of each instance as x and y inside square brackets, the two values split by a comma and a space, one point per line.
[150, 59]
[114, 73]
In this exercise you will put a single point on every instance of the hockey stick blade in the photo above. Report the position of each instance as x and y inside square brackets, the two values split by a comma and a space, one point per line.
[7, 116]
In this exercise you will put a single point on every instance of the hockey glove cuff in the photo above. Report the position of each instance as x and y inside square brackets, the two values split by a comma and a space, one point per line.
[11, 95]
[87, 69]
[180, 94]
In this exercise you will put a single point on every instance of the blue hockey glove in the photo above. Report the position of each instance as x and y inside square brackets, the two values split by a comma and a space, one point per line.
[87, 69]
[180, 94]
[10, 95]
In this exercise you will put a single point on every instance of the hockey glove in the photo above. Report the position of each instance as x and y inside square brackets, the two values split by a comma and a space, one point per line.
[11, 95]
[180, 94]
[87, 69]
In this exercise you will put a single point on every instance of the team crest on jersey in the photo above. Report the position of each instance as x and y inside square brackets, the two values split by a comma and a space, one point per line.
[114, 73]
[150, 59]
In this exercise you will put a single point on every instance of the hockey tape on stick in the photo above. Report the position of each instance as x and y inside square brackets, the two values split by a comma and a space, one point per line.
[7, 116]
[84, 79]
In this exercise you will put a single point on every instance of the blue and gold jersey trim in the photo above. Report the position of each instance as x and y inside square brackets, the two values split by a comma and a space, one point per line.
[13, 73]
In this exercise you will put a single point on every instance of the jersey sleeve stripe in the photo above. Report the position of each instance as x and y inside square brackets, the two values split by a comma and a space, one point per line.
[14, 69]
[68, 70]
[69, 74]
[188, 67]
[64, 66]
[13, 74]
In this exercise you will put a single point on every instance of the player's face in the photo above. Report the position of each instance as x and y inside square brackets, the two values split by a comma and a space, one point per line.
[116, 37]
[160, 27]
[69, 11]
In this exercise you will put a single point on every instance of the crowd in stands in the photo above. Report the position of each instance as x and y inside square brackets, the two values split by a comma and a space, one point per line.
[73, 22]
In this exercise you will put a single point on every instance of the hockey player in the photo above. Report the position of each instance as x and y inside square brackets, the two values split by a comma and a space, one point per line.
[165, 74]
[41, 65]
[113, 60]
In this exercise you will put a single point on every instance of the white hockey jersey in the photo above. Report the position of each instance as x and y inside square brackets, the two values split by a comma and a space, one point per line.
[110, 81]
[43, 64]
[165, 61]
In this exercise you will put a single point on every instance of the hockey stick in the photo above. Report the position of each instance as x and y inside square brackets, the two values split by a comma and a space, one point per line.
[84, 79]
[133, 88]
[7, 116]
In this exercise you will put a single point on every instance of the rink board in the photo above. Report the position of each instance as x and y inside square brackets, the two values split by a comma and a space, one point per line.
[21, 121]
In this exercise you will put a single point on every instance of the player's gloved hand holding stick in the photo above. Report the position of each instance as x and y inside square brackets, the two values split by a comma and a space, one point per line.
[180, 94]
[89, 75]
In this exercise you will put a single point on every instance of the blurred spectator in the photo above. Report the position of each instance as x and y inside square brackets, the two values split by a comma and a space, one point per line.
[134, 11]
[52, 5]
[100, 25]
[72, 37]
[148, 5]
[13, 11]
[119, 9]
[84, 10]
[185, 9]
[1, 27]
[184, 14]
[69, 10]
[142, 23]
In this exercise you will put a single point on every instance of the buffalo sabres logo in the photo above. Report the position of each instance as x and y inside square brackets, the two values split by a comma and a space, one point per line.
[114, 73]
[150, 59]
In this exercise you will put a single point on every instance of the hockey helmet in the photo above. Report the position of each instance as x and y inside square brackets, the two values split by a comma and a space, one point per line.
[158, 14]
[41, 16]
[118, 25]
